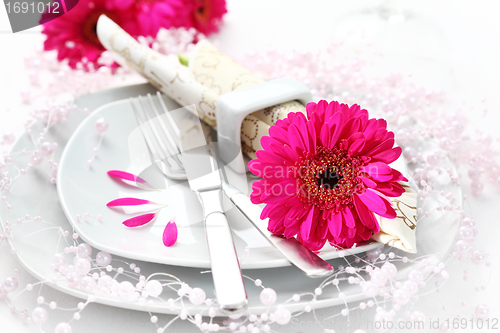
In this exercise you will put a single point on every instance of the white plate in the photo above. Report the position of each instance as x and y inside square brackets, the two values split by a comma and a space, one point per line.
[36, 243]
[87, 190]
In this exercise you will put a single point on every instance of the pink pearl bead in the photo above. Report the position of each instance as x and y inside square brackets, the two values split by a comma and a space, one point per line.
[409, 153]
[101, 125]
[282, 315]
[411, 287]
[126, 289]
[389, 269]
[197, 296]
[84, 250]
[482, 311]
[375, 253]
[103, 258]
[370, 289]
[47, 148]
[415, 276]
[465, 233]
[268, 296]
[63, 328]
[39, 315]
[478, 257]
[378, 277]
[82, 266]
[461, 246]
[10, 284]
[73, 279]
[401, 296]
[88, 285]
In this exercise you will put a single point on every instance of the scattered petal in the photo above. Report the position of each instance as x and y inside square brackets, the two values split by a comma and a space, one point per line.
[128, 178]
[129, 202]
[170, 233]
[140, 220]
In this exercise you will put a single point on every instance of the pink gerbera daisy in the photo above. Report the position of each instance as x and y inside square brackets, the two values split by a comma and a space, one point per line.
[151, 15]
[74, 35]
[324, 176]
[206, 14]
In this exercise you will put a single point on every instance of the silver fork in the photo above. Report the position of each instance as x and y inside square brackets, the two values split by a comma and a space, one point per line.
[163, 141]
[204, 179]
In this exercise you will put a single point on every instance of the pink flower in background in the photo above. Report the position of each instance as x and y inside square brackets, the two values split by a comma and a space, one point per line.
[74, 35]
[323, 177]
[151, 15]
[205, 15]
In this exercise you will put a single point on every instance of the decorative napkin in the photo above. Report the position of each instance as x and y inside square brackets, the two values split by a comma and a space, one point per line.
[210, 74]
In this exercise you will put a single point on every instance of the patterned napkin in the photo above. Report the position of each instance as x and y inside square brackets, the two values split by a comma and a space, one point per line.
[211, 74]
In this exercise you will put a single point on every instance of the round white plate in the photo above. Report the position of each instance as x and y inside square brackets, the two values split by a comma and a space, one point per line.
[87, 190]
[36, 243]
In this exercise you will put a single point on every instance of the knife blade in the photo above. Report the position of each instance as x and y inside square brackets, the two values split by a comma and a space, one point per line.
[204, 179]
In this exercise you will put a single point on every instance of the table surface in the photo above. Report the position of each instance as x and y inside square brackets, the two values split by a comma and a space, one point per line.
[471, 31]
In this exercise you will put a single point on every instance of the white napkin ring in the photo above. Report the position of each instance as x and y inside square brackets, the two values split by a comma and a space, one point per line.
[234, 106]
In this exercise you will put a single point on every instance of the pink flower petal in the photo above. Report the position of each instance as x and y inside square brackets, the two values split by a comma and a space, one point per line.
[307, 224]
[128, 177]
[348, 217]
[372, 201]
[170, 234]
[335, 224]
[140, 220]
[365, 215]
[128, 202]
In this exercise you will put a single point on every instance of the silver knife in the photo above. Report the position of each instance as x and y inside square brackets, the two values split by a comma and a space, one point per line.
[204, 179]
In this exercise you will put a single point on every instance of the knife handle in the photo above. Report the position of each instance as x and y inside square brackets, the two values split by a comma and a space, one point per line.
[296, 253]
[228, 281]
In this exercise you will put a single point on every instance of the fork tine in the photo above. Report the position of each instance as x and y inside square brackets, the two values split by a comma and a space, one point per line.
[165, 131]
[162, 153]
[150, 143]
[172, 127]
[156, 133]
[162, 133]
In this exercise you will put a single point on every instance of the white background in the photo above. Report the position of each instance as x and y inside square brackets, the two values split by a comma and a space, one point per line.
[471, 31]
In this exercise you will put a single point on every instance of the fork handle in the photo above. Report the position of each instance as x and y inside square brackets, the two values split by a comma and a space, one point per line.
[228, 281]
[297, 254]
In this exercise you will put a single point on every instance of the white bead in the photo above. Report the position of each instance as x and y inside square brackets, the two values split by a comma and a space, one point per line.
[197, 296]
[378, 277]
[268, 296]
[82, 266]
[282, 315]
[103, 258]
[389, 269]
[415, 276]
[84, 250]
[39, 315]
[10, 284]
[101, 125]
[154, 288]
[370, 289]
[411, 287]
[63, 328]
[482, 311]
[126, 289]
[401, 296]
